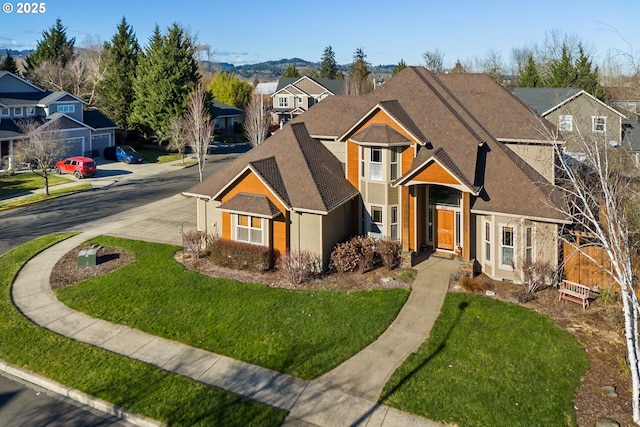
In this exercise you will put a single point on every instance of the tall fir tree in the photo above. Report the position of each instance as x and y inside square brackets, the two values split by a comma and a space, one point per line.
[120, 59]
[328, 65]
[360, 83]
[9, 64]
[562, 73]
[401, 66]
[54, 47]
[166, 74]
[586, 77]
[291, 72]
[530, 76]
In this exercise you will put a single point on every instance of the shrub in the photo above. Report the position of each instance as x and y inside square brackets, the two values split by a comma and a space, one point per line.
[474, 285]
[240, 256]
[299, 266]
[356, 253]
[196, 243]
[390, 253]
[537, 274]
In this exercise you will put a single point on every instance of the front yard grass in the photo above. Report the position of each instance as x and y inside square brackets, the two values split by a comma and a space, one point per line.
[27, 181]
[490, 363]
[15, 202]
[136, 386]
[302, 333]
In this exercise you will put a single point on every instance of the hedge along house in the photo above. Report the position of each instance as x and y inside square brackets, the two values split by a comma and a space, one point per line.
[448, 163]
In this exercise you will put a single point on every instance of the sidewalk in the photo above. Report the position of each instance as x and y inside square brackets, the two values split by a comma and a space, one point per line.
[345, 396]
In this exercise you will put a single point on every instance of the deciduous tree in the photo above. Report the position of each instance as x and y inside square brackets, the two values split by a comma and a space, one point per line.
[433, 60]
[229, 89]
[359, 82]
[197, 125]
[41, 148]
[256, 121]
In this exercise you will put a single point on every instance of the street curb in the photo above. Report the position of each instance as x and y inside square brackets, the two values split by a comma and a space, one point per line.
[78, 396]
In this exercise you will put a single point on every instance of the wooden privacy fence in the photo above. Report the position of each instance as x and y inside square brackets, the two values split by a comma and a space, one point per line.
[587, 265]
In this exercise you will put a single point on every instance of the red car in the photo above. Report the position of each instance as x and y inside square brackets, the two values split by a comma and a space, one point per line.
[80, 167]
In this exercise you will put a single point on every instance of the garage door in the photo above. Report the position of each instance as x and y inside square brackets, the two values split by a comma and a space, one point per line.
[74, 147]
[99, 142]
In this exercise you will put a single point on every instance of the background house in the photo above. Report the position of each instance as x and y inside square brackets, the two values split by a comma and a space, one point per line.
[87, 132]
[294, 96]
[225, 117]
[577, 115]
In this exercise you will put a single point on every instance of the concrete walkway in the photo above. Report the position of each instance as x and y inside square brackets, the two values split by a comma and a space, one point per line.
[345, 396]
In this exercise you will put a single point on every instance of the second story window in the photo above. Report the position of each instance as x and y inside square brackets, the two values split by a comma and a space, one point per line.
[394, 162]
[283, 101]
[599, 124]
[375, 166]
[69, 108]
[565, 123]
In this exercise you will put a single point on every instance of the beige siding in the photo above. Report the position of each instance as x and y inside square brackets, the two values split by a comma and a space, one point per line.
[335, 229]
[540, 157]
[394, 196]
[306, 232]
[337, 148]
[376, 193]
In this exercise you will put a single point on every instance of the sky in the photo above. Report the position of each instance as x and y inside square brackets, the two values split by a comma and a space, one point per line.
[251, 31]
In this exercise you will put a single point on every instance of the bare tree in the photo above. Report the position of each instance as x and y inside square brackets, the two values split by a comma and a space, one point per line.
[197, 125]
[175, 134]
[42, 147]
[602, 200]
[434, 60]
[492, 65]
[256, 120]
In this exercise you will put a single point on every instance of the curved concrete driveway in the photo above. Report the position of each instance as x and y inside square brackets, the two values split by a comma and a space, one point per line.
[343, 397]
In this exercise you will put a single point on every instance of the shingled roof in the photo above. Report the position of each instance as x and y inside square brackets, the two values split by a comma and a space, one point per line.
[298, 169]
[465, 115]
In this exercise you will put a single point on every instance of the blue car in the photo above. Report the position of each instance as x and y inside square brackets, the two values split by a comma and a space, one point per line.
[123, 153]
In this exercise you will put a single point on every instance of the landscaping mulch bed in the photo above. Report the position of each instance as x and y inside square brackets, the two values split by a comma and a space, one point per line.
[599, 328]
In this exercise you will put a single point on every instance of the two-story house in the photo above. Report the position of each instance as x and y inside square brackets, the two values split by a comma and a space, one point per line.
[294, 96]
[578, 115]
[86, 132]
[448, 163]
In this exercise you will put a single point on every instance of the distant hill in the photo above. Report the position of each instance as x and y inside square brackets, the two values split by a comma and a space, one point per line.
[270, 70]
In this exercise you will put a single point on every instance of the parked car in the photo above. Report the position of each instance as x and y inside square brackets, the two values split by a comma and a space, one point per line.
[79, 166]
[123, 153]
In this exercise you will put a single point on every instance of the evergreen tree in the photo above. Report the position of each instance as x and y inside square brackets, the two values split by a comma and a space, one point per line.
[54, 47]
[529, 76]
[291, 71]
[586, 78]
[115, 91]
[458, 68]
[166, 74]
[328, 65]
[359, 83]
[401, 66]
[9, 64]
[562, 73]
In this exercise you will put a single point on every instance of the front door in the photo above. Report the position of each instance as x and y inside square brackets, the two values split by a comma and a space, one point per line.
[445, 229]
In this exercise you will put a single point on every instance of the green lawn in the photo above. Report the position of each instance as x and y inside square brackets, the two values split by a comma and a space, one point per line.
[489, 363]
[302, 333]
[133, 385]
[27, 181]
[152, 155]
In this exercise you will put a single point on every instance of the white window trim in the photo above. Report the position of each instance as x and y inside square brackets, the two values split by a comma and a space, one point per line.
[593, 124]
[513, 246]
[283, 102]
[396, 223]
[380, 224]
[30, 111]
[5, 111]
[392, 151]
[379, 165]
[487, 243]
[533, 242]
[565, 123]
[15, 111]
[249, 228]
[66, 108]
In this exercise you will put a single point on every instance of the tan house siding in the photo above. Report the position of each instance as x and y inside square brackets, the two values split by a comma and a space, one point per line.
[539, 156]
[338, 149]
[306, 231]
[334, 227]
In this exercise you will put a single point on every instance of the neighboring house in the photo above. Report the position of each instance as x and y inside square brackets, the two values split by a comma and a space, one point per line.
[578, 115]
[87, 132]
[627, 100]
[225, 117]
[294, 96]
[426, 159]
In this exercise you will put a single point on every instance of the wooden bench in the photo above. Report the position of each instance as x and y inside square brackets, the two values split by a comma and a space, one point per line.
[572, 291]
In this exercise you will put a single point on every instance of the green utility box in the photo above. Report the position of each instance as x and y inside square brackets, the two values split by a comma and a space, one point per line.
[87, 257]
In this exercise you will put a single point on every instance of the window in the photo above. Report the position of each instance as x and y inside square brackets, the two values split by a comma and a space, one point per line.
[599, 124]
[528, 250]
[376, 221]
[375, 168]
[362, 162]
[394, 163]
[393, 220]
[17, 111]
[249, 229]
[283, 101]
[458, 229]
[69, 108]
[565, 123]
[430, 226]
[487, 241]
[506, 247]
[4, 111]
[30, 111]
[439, 195]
